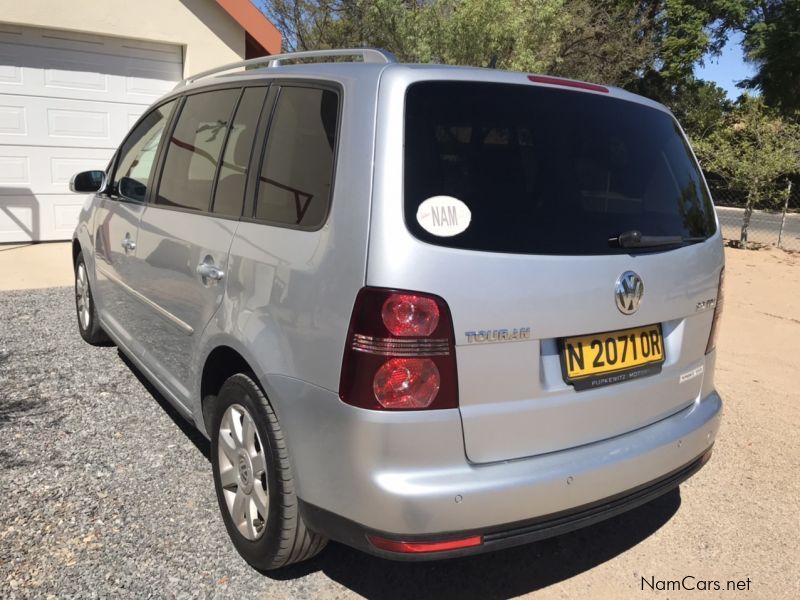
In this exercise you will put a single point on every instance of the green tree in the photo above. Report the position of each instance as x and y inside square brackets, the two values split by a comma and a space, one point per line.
[612, 41]
[755, 150]
[686, 33]
[772, 43]
[700, 107]
[605, 40]
[690, 30]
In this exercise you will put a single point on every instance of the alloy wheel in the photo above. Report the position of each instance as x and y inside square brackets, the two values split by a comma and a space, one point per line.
[243, 471]
[83, 299]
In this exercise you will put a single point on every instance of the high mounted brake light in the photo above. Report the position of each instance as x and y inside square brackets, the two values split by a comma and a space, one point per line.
[582, 85]
[400, 352]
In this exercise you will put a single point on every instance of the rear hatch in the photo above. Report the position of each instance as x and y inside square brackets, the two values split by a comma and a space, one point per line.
[548, 178]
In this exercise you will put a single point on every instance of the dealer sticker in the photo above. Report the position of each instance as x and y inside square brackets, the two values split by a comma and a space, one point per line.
[692, 374]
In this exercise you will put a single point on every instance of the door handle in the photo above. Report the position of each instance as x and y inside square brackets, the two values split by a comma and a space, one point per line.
[208, 271]
[128, 244]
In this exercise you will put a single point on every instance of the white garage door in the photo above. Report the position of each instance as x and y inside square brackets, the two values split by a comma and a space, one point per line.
[66, 101]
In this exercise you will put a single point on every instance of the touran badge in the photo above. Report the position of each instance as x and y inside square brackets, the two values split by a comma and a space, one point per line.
[628, 292]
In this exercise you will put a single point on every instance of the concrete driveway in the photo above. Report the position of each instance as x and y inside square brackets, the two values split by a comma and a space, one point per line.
[35, 266]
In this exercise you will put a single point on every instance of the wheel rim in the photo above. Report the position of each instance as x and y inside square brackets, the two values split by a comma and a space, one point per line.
[243, 472]
[83, 299]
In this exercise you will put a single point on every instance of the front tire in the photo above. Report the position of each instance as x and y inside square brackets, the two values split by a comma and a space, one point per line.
[88, 323]
[253, 479]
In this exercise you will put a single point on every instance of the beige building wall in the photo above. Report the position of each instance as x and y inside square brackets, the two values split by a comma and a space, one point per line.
[209, 36]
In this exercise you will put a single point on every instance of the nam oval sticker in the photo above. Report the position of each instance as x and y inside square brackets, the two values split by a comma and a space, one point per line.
[444, 216]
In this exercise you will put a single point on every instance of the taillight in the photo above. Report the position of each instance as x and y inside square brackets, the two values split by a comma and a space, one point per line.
[410, 314]
[712, 336]
[400, 352]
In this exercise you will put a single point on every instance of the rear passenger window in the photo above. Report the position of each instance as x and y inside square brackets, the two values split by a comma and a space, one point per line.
[295, 181]
[194, 150]
[229, 195]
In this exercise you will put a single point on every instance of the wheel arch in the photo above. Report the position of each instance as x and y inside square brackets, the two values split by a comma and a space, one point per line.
[76, 249]
[220, 364]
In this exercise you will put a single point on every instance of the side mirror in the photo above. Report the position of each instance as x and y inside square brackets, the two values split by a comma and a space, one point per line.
[87, 182]
[130, 189]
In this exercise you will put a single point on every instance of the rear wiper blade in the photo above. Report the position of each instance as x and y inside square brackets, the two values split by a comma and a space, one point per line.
[635, 239]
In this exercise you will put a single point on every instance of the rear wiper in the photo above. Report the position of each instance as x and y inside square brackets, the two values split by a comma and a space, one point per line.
[635, 239]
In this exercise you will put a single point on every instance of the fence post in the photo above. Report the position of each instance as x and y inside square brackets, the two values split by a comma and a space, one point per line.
[785, 208]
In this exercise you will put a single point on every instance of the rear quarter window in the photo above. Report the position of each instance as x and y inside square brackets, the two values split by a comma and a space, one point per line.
[294, 186]
[548, 171]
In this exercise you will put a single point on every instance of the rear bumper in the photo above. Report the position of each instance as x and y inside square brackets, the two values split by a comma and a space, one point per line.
[405, 474]
[505, 536]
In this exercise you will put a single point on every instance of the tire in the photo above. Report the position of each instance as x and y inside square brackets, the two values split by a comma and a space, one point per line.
[88, 323]
[241, 418]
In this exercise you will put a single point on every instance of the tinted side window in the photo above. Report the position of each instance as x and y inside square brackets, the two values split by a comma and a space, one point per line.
[229, 194]
[194, 149]
[295, 181]
[138, 152]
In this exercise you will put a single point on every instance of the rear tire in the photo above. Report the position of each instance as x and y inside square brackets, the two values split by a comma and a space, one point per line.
[252, 476]
[88, 323]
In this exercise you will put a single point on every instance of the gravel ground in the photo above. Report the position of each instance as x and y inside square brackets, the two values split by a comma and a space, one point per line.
[107, 492]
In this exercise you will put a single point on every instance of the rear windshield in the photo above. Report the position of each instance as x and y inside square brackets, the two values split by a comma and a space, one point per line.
[547, 171]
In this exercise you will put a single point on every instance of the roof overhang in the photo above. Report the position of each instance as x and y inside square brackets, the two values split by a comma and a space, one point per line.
[255, 24]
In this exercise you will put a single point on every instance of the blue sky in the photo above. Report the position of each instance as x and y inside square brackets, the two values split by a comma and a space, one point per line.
[728, 68]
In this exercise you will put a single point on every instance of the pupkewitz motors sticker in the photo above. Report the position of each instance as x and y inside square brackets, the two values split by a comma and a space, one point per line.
[443, 216]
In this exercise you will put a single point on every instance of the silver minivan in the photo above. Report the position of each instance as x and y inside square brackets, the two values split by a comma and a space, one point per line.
[424, 311]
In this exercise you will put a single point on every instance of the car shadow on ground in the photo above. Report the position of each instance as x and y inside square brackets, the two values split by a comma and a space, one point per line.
[501, 574]
[189, 430]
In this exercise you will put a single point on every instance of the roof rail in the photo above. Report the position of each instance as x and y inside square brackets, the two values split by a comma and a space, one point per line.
[368, 55]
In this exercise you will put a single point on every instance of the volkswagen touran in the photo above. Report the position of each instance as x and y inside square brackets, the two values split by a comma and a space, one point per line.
[424, 311]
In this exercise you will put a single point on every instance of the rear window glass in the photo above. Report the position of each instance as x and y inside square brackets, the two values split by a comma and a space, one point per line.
[547, 171]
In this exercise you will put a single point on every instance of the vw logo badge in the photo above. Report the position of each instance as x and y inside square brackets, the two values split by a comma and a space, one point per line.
[628, 292]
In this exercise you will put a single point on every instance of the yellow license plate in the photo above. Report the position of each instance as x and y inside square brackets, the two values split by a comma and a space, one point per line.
[599, 359]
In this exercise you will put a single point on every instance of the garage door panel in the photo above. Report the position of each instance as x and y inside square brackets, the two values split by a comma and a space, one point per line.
[13, 120]
[62, 121]
[14, 169]
[10, 75]
[73, 75]
[80, 124]
[19, 216]
[47, 169]
[146, 84]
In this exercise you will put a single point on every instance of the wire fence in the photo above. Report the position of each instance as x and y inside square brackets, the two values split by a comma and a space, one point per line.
[778, 226]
